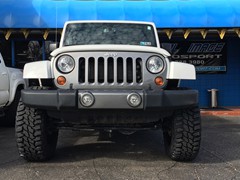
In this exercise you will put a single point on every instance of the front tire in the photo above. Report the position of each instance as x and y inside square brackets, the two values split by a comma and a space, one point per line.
[36, 137]
[182, 134]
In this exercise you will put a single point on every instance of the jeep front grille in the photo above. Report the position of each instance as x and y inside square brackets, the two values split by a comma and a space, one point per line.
[113, 70]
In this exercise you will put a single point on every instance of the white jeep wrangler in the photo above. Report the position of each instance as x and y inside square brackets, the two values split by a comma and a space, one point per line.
[11, 83]
[108, 75]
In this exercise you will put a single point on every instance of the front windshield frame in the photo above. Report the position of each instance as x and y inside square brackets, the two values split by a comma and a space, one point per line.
[107, 33]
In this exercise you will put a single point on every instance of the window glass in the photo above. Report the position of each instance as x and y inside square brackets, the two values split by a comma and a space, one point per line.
[109, 33]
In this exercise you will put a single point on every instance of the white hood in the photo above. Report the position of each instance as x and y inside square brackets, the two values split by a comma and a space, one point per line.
[128, 48]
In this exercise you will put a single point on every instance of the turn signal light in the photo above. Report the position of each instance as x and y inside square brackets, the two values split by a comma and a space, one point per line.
[61, 80]
[159, 81]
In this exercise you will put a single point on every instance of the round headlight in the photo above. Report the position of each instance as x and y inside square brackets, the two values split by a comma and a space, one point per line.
[65, 64]
[155, 64]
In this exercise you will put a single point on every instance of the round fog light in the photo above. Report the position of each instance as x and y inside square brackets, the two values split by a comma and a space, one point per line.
[134, 99]
[87, 99]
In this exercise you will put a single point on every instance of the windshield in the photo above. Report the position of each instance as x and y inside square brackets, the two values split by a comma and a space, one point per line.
[109, 33]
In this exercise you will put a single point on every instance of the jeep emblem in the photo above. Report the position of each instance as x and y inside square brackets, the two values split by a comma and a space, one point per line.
[110, 54]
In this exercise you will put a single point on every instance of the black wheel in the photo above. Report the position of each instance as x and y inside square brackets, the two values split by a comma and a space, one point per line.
[182, 134]
[36, 136]
[10, 113]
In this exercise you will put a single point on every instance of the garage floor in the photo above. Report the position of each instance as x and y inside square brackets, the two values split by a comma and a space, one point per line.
[85, 155]
[222, 111]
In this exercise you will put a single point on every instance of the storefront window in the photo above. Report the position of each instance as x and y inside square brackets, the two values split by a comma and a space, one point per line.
[27, 51]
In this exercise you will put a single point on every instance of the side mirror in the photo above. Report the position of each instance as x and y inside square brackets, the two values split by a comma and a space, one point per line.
[53, 46]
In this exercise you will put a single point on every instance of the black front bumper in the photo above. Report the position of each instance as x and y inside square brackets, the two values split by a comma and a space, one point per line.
[69, 99]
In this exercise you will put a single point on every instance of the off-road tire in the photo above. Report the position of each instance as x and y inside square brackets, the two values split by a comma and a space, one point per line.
[182, 134]
[36, 137]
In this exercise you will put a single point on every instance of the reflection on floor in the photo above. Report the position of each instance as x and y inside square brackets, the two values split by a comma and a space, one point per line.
[221, 111]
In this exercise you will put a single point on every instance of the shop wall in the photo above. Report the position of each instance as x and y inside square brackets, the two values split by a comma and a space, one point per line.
[25, 51]
[228, 83]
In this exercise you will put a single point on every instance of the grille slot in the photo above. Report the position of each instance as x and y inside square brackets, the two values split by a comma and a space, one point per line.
[110, 70]
[82, 70]
[120, 70]
[138, 68]
[100, 70]
[129, 70]
[91, 70]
